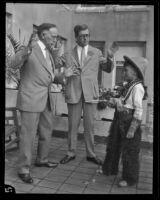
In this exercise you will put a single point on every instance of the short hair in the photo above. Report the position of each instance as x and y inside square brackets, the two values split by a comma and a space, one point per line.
[79, 28]
[44, 26]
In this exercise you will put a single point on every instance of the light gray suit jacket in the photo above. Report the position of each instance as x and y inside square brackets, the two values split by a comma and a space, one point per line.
[87, 81]
[35, 83]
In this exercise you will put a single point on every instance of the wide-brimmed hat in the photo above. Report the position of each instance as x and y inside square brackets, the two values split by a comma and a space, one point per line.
[139, 63]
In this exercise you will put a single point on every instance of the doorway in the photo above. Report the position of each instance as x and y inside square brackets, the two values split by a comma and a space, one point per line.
[131, 49]
[101, 46]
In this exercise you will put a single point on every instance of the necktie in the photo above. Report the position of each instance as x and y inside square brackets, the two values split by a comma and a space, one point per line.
[82, 56]
[48, 58]
[49, 63]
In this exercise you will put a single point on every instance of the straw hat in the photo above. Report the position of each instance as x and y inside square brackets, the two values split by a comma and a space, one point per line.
[139, 63]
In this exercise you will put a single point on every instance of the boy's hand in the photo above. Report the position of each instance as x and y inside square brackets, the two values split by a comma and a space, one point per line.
[130, 134]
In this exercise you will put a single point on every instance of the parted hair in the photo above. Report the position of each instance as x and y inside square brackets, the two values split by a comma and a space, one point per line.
[79, 28]
[44, 26]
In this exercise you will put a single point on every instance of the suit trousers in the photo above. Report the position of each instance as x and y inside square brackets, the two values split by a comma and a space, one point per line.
[74, 119]
[33, 123]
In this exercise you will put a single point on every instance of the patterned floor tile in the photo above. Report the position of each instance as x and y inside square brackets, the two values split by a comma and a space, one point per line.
[93, 191]
[22, 186]
[126, 190]
[42, 190]
[72, 188]
[80, 176]
[144, 186]
[56, 178]
[49, 184]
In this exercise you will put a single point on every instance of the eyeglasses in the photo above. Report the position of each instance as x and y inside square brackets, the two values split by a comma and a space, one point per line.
[55, 37]
[84, 35]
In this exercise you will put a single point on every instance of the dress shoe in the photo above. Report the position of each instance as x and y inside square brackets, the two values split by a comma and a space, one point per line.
[67, 158]
[47, 164]
[122, 183]
[26, 178]
[95, 160]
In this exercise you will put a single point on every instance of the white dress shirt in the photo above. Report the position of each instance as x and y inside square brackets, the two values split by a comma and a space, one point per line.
[79, 50]
[43, 48]
[135, 101]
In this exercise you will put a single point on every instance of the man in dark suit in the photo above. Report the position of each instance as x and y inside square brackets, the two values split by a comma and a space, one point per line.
[82, 91]
[35, 102]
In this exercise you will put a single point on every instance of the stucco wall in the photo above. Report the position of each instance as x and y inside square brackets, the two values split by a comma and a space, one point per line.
[108, 27]
[135, 26]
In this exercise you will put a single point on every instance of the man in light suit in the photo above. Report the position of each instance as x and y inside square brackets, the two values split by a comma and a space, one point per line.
[82, 91]
[35, 102]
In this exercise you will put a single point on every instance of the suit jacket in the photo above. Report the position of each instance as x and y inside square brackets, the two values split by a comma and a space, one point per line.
[87, 81]
[35, 83]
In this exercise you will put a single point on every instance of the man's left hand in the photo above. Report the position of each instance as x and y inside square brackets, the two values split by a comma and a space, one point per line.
[71, 71]
[112, 49]
[130, 134]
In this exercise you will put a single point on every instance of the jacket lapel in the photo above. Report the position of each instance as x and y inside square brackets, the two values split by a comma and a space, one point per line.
[75, 54]
[52, 61]
[40, 56]
[89, 56]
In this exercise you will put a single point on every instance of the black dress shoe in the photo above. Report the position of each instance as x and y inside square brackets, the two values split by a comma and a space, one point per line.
[26, 178]
[67, 158]
[47, 164]
[95, 160]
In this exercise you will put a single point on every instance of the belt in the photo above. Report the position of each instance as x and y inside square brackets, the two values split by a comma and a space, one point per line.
[126, 111]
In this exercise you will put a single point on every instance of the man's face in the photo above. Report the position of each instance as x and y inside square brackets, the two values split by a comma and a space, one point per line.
[83, 38]
[129, 73]
[54, 33]
[49, 37]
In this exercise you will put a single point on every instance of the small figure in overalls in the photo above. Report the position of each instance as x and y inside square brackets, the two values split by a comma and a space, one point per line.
[125, 132]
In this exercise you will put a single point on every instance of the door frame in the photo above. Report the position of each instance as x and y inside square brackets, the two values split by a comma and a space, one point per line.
[99, 45]
[141, 44]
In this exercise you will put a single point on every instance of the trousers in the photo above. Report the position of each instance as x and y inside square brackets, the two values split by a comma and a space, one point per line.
[118, 145]
[33, 123]
[74, 118]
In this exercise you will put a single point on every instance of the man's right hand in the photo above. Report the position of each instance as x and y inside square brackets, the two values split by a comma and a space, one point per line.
[71, 71]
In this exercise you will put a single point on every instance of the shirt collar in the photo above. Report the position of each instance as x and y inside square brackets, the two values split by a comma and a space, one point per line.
[42, 46]
[85, 47]
[79, 49]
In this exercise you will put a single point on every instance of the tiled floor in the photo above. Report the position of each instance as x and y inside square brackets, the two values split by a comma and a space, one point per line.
[78, 176]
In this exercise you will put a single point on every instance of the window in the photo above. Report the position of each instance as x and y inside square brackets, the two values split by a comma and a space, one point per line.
[131, 49]
[119, 72]
[92, 5]
[108, 7]
[90, 8]
[101, 46]
[8, 22]
[63, 43]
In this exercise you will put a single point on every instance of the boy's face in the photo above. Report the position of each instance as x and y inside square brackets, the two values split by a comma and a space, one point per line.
[54, 34]
[129, 73]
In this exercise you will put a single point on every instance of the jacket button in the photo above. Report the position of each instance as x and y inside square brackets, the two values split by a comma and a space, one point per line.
[49, 76]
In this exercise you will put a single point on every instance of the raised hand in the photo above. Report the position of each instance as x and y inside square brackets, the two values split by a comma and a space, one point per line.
[71, 71]
[55, 46]
[130, 134]
[112, 49]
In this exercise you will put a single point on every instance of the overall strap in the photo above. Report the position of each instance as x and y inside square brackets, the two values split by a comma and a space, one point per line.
[130, 90]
